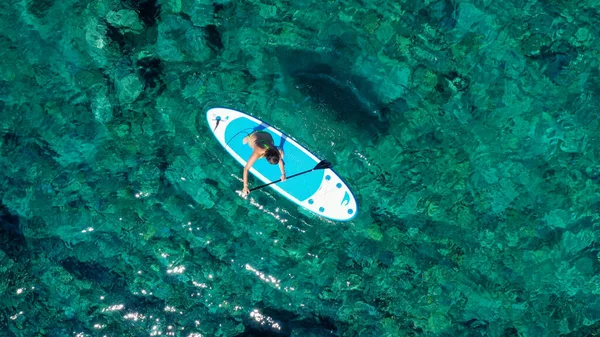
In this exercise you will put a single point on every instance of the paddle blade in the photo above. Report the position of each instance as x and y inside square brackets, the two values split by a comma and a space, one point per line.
[323, 164]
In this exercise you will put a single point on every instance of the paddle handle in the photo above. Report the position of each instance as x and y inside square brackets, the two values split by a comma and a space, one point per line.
[278, 180]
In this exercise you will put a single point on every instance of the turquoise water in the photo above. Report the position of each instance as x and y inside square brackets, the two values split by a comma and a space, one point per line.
[467, 129]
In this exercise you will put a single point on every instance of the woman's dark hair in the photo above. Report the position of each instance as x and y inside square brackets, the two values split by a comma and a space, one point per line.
[272, 155]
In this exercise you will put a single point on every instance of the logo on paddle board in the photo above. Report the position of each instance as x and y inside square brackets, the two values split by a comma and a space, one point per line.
[346, 199]
[218, 119]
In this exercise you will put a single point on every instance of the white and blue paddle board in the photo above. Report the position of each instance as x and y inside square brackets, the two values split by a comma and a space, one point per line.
[320, 191]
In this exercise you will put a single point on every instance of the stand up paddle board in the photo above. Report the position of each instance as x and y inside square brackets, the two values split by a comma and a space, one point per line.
[320, 191]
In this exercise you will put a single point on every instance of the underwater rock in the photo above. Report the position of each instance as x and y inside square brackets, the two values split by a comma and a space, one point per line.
[342, 97]
[469, 16]
[395, 83]
[179, 40]
[12, 240]
[583, 37]
[170, 29]
[290, 324]
[94, 272]
[386, 258]
[195, 47]
[151, 70]
[213, 36]
[554, 58]
[40, 8]
[147, 10]
[445, 12]
[129, 88]
[534, 44]
[126, 20]
[102, 107]
[201, 13]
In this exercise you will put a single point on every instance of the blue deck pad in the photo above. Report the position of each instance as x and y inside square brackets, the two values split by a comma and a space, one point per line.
[300, 187]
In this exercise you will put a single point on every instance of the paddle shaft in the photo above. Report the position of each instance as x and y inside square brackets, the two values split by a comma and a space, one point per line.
[276, 181]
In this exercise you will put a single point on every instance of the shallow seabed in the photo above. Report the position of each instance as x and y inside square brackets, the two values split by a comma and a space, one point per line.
[469, 131]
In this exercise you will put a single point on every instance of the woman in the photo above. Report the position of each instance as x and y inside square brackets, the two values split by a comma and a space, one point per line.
[262, 145]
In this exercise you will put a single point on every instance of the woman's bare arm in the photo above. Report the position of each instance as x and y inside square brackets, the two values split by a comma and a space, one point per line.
[282, 166]
[249, 164]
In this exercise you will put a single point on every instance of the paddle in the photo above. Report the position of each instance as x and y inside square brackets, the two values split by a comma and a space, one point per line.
[323, 164]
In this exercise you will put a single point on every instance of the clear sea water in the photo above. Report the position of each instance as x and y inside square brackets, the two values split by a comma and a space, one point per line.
[468, 130]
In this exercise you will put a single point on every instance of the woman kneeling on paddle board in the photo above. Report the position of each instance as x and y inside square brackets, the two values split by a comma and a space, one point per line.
[262, 145]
